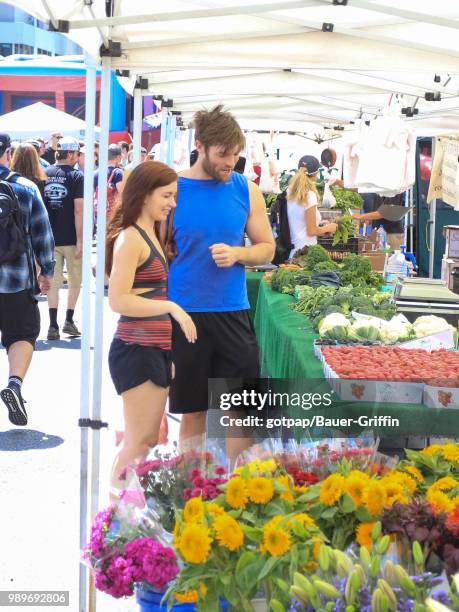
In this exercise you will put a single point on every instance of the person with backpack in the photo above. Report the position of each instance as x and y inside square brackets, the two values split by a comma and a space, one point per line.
[25, 237]
[64, 201]
[295, 213]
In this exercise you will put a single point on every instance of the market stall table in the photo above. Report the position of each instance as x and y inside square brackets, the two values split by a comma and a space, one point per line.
[253, 280]
[286, 341]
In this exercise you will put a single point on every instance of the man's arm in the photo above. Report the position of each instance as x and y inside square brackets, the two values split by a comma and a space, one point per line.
[260, 235]
[78, 205]
[371, 216]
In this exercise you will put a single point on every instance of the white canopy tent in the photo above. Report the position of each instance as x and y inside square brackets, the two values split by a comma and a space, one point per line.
[41, 120]
[295, 63]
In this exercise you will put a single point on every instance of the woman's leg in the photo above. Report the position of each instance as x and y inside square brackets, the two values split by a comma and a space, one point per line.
[143, 408]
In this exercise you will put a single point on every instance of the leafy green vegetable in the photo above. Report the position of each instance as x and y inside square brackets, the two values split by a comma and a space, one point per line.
[325, 266]
[346, 228]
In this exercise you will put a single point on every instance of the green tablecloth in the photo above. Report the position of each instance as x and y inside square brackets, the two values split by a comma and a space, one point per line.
[253, 280]
[286, 343]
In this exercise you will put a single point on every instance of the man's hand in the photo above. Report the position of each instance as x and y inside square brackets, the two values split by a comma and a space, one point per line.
[78, 250]
[224, 255]
[45, 283]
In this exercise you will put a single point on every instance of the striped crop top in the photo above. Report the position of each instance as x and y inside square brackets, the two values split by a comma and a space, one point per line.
[148, 331]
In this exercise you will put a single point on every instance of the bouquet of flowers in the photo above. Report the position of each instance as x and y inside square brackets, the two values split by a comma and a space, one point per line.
[254, 535]
[365, 582]
[169, 478]
[128, 546]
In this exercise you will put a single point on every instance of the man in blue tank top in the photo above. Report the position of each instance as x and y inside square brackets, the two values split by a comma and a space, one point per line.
[215, 208]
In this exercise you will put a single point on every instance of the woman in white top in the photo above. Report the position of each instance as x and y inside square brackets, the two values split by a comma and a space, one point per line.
[302, 206]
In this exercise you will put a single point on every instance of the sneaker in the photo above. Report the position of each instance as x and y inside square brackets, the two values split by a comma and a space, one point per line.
[71, 329]
[12, 399]
[53, 333]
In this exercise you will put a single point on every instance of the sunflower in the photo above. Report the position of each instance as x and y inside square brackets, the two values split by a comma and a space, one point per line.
[228, 532]
[260, 489]
[236, 493]
[406, 480]
[413, 471]
[431, 450]
[444, 484]
[300, 489]
[214, 510]
[451, 452]
[303, 519]
[191, 596]
[287, 495]
[195, 543]
[359, 473]
[394, 491]
[316, 548]
[439, 501]
[375, 497]
[355, 485]
[276, 541]
[331, 489]
[193, 511]
[363, 534]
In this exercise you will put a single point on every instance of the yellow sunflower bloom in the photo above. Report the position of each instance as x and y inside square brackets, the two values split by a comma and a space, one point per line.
[195, 543]
[332, 489]
[276, 541]
[260, 490]
[451, 452]
[444, 484]
[406, 480]
[439, 501]
[361, 475]
[316, 548]
[431, 450]
[285, 482]
[228, 532]
[363, 534]
[268, 466]
[236, 493]
[193, 511]
[300, 489]
[190, 596]
[394, 492]
[375, 497]
[303, 519]
[214, 510]
[413, 471]
[355, 485]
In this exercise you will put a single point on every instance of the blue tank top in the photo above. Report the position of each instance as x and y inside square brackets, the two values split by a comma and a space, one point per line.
[209, 212]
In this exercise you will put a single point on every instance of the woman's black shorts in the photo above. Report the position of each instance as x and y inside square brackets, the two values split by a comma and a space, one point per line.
[132, 364]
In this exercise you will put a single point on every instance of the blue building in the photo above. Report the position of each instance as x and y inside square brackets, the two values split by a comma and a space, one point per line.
[20, 33]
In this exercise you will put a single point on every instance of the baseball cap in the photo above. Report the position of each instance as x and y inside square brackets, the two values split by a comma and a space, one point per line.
[5, 142]
[310, 163]
[68, 143]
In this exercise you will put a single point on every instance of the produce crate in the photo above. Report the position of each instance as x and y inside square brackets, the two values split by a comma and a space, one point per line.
[339, 251]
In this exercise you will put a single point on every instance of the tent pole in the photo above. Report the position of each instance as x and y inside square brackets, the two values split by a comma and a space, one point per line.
[164, 118]
[85, 382]
[431, 222]
[137, 128]
[171, 141]
[100, 277]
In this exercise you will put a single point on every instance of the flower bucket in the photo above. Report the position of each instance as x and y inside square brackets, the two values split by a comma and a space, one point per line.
[150, 601]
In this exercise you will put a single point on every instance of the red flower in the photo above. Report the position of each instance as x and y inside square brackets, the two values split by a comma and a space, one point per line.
[452, 522]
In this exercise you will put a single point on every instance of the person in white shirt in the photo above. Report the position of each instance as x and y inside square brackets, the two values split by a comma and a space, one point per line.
[302, 206]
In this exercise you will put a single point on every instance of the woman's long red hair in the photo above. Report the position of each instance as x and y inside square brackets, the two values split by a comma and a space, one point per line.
[145, 178]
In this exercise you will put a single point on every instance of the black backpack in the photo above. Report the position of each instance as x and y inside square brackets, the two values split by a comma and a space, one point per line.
[13, 237]
[279, 221]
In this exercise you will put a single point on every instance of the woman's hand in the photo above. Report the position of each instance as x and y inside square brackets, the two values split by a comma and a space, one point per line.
[330, 228]
[185, 322]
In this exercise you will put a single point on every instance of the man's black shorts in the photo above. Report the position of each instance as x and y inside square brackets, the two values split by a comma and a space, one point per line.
[19, 318]
[226, 348]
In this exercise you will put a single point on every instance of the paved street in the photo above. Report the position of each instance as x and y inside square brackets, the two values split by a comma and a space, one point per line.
[40, 469]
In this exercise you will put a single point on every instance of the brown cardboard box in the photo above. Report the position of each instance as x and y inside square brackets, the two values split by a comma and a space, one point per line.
[377, 260]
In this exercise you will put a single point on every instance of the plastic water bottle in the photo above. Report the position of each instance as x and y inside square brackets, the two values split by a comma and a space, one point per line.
[396, 267]
[381, 241]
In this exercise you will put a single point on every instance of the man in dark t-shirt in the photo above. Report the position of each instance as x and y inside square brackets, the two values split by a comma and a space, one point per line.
[50, 152]
[395, 230]
[64, 202]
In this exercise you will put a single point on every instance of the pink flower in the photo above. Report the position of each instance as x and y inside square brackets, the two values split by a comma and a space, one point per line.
[196, 493]
[136, 498]
[186, 494]
[199, 482]
[195, 474]
[220, 470]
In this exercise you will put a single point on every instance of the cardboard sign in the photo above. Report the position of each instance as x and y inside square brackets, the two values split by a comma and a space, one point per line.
[443, 185]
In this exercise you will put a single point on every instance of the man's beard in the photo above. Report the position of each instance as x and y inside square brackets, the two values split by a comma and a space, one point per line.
[212, 171]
